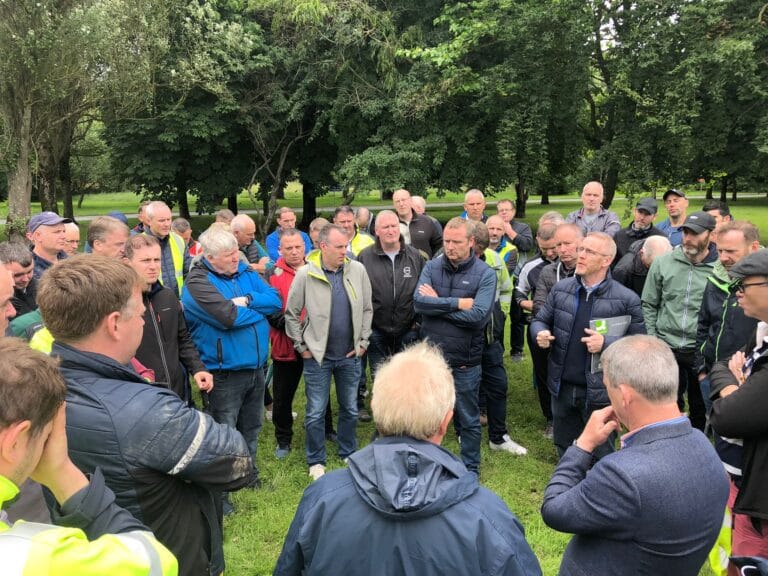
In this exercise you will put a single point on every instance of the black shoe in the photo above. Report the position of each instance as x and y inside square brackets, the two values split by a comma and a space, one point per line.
[226, 506]
[254, 484]
[517, 357]
[331, 436]
[363, 415]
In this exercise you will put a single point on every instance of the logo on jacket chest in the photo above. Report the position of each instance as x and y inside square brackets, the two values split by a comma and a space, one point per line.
[407, 272]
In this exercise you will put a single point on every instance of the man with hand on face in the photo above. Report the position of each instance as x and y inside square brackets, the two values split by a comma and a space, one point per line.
[672, 297]
[656, 505]
[455, 297]
[244, 229]
[328, 318]
[48, 235]
[564, 325]
[93, 535]
[592, 217]
[166, 346]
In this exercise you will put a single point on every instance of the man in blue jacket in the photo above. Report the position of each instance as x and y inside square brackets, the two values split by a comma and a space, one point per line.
[226, 304]
[656, 505]
[405, 505]
[455, 297]
[564, 325]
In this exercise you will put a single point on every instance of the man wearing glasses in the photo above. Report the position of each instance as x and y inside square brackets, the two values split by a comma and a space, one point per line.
[672, 297]
[740, 404]
[563, 325]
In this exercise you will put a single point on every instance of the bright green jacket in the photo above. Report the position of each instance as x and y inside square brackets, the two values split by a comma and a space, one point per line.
[32, 549]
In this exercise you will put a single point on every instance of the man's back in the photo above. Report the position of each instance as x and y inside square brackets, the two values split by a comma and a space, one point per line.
[654, 507]
[158, 456]
[443, 523]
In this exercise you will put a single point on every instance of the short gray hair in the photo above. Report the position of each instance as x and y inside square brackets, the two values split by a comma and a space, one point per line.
[216, 240]
[608, 242]
[102, 226]
[412, 393]
[552, 217]
[15, 252]
[384, 213]
[326, 230]
[645, 364]
[238, 222]
[480, 234]
[181, 225]
[153, 206]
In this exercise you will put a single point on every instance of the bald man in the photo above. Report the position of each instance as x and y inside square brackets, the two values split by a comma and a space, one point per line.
[592, 217]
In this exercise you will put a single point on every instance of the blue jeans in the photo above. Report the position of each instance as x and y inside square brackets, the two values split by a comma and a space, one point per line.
[237, 400]
[382, 346]
[466, 413]
[706, 387]
[494, 384]
[317, 383]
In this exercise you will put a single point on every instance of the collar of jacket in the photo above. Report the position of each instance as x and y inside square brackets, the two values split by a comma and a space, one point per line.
[315, 262]
[720, 277]
[601, 287]
[281, 264]
[241, 268]
[99, 364]
[8, 490]
[709, 259]
[380, 250]
[463, 265]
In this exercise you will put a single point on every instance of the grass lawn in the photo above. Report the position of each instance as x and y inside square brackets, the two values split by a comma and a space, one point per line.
[255, 533]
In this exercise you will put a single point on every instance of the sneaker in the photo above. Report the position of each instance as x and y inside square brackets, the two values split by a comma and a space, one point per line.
[282, 452]
[483, 419]
[316, 471]
[509, 446]
[363, 415]
[268, 415]
[549, 431]
[346, 460]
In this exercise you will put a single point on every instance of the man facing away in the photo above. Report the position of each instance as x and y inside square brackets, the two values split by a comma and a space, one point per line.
[422, 511]
[592, 217]
[656, 505]
[331, 336]
[455, 297]
[163, 460]
[93, 535]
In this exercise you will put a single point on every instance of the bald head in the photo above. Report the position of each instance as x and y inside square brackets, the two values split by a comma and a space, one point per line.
[244, 229]
[474, 204]
[653, 247]
[591, 197]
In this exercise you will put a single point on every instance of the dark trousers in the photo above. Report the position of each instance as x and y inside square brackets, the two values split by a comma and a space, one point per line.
[285, 381]
[494, 385]
[570, 413]
[516, 329]
[689, 382]
[540, 358]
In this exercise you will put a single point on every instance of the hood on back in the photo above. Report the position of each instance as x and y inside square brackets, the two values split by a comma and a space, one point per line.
[407, 479]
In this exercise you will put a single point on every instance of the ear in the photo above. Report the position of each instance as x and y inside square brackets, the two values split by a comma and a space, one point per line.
[110, 324]
[12, 441]
[445, 422]
[627, 395]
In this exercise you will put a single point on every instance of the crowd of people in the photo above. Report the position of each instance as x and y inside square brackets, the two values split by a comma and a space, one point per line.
[661, 329]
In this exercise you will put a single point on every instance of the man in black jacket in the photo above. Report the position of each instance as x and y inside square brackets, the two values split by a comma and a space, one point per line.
[418, 230]
[632, 268]
[640, 228]
[393, 268]
[166, 346]
[164, 461]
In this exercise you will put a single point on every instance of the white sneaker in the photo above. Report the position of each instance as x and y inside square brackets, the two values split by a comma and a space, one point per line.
[509, 446]
[316, 471]
[268, 415]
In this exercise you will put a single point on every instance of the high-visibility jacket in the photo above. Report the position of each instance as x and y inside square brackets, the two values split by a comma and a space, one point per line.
[32, 549]
[177, 247]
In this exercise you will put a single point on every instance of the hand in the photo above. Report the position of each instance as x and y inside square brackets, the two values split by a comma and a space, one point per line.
[54, 469]
[594, 341]
[702, 375]
[306, 354]
[466, 303]
[526, 305]
[240, 301]
[601, 424]
[509, 231]
[427, 290]
[204, 381]
[736, 366]
[544, 339]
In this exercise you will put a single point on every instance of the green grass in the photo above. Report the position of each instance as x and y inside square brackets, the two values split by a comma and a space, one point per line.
[255, 533]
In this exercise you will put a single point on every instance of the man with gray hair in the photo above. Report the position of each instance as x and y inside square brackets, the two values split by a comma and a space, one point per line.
[408, 492]
[17, 259]
[632, 269]
[244, 229]
[226, 305]
[107, 237]
[657, 503]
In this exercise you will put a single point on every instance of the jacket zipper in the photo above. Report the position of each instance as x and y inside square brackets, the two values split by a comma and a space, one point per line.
[160, 345]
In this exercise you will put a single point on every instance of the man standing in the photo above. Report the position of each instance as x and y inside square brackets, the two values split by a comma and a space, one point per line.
[592, 217]
[676, 204]
[672, 298]
[363, 219]
[244, 229]
[632, 269]
[6, 295]
[519, 233]
[226, 305]
[163, 460]
[48, 235]
[166, 346]
[107, 237]
[286, 220]
[720, 211]
[94, 535]
[455, 298]
[417, 229]
[654, 507]
[420, 207]
[287, 364]
[72, 236]
[568, 238]
[407, 492]
[176, 259]
[336, 294]
[498, 242]
[640, 228]
[564, 324]
[739, 408]
[393, 268]
[344, 218]
[474, 206]
[17, 259]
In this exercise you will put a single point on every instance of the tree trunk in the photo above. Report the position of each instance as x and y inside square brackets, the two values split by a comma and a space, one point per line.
[308, 204]
[724, 188]
[48, 171]
[521, 198]
[65, 179]
[734, 189]
[232, 202]
[609, 186]
[20, 182]
[181, 195]
[545, 196]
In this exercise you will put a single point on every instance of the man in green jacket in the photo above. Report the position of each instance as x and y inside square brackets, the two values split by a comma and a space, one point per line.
[672, 297]
[94, 535]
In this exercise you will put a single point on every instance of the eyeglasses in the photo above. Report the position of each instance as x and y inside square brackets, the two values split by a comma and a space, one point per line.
[741, 288]
[589, 252]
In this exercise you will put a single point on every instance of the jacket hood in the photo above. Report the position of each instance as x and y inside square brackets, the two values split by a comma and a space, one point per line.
[406, 479]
